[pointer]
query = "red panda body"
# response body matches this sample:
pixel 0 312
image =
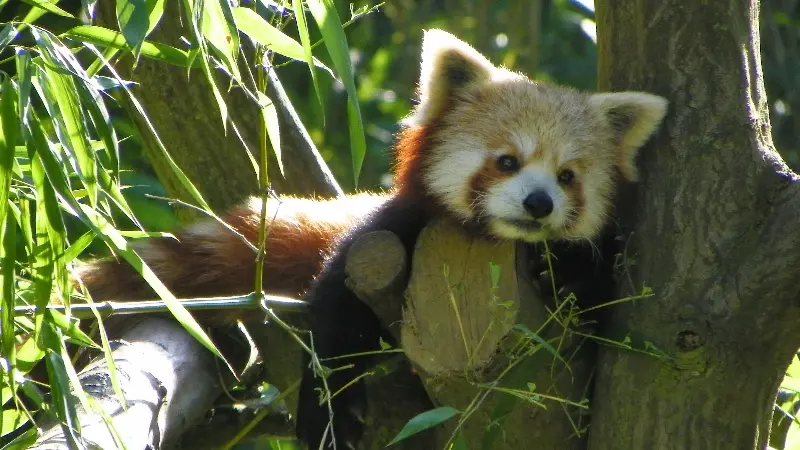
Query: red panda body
pixel 501 155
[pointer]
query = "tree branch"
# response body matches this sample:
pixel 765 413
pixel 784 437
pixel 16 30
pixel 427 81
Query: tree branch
pixel 168 380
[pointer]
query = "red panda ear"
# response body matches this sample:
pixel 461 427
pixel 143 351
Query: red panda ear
pixel 449 67
pixel 633 117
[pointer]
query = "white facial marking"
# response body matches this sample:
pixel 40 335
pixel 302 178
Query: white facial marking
pixel 525 143
pixel 451 170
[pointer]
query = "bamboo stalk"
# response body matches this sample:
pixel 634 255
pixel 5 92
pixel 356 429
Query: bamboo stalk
pixel 109 308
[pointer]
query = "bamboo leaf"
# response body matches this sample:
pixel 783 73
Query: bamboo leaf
pixel 219 29
pixel 62 398
pixel 324 12
pixel 8 234
pixel 269 114
pixel 261 31
pixel 11 419
pixel 114 39
pixel 7 35
pixel 44 163
pixel 424 421
pixel 23 60
pixel 23 441
pixel 136 19
pixel 59 93
pixel 540 340
pixel 44 260
pixel 196 17
pixel 305 39
pixel 49 7
pixel 9 127
pixel 28 354
pixel 101 120
pixel 70 327
pixel 107 84
pixel 77 247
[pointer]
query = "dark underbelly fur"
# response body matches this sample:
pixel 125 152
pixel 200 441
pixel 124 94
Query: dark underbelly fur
pixel 342 324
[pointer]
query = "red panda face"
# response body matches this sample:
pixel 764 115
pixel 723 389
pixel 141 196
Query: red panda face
pixel 525 160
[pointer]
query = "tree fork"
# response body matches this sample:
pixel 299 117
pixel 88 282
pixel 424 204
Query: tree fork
pixel 713 235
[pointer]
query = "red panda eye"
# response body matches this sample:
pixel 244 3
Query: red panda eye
pixel 566 176
pixel 507 163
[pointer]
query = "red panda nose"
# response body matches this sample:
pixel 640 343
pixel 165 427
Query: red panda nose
pixel 538 204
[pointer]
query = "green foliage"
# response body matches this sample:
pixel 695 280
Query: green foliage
pixel 425 420
pixel 61 183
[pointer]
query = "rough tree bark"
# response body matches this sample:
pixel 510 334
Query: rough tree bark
pixel 714 235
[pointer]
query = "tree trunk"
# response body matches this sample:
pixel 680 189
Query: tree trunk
pixel 188 121
pixel 712 233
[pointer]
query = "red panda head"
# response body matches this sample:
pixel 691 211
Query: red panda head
pixel 523 159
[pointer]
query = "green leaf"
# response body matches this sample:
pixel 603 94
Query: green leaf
pixel 9 127
pixel 23 59
pixel 11 419
pixel 59 93
pixel 791 384
pixel 219 29
pixel 28 354
pixel 22 213
pixel 7 35
pixel 31 17
pixel 106 84
pixel 101 119
pixel 24 441
pixel 8 233
pixel 305 39
pixel 424 421
pixel 261 31
pixel 794 367
pixel 49 7
pixel 494 274
pixel 44 261
pixel 324 12
pixel 526 331
pixel 114 39
pixel 77 247
pixel 71 328
pixel 136 19
pixel 270 117
pixel 92 100
pixel 62 398
pixel 201 51
pixel 49 179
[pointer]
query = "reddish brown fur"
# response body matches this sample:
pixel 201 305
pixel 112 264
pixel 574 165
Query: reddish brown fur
pixel 208 260
pixel 408 154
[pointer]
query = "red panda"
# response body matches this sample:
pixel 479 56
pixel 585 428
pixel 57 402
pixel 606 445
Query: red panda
pixel 502 155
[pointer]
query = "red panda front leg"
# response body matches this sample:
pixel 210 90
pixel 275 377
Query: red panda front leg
pixel 341 324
